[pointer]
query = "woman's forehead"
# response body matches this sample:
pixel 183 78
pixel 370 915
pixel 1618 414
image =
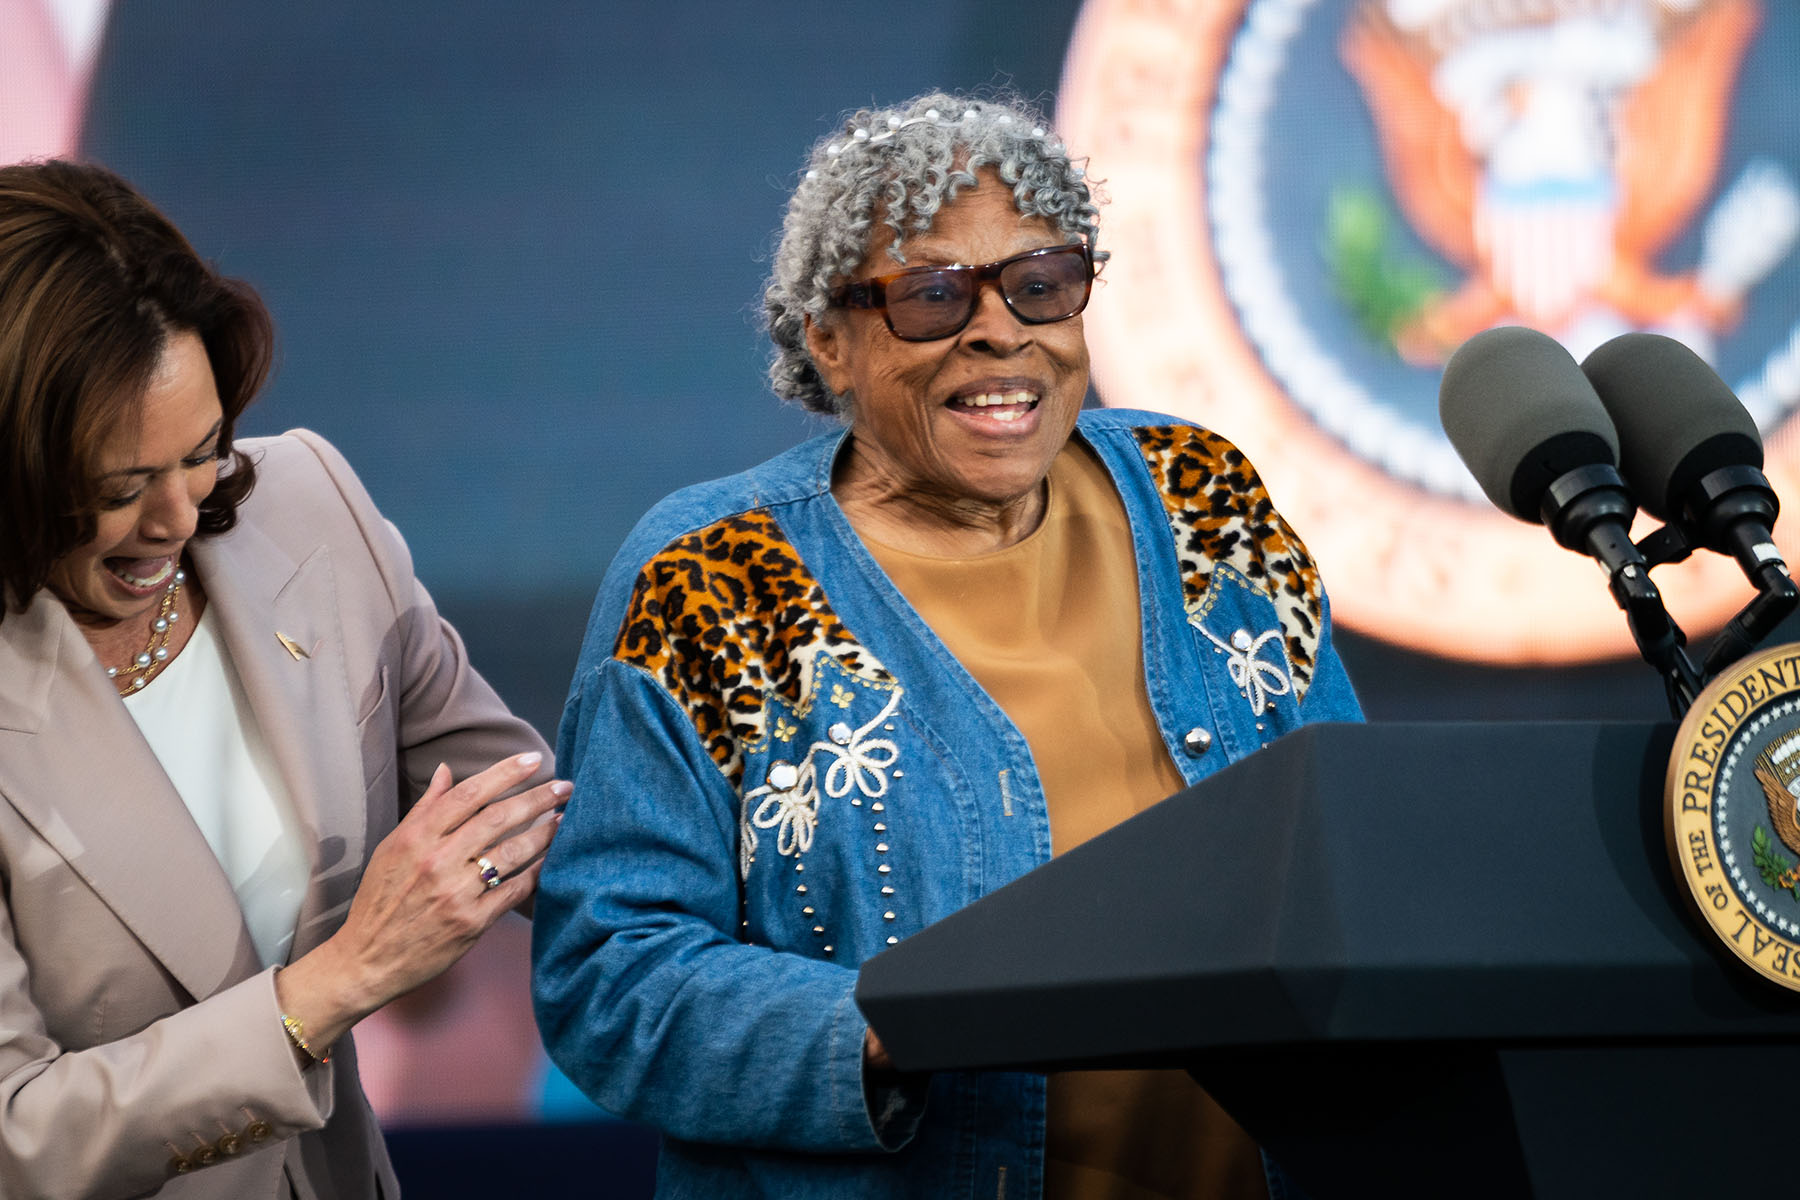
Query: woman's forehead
pixel 984 220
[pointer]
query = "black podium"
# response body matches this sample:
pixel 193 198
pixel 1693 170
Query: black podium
pixel 1413 960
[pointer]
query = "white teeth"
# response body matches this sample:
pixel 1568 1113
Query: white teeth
pixel 993 399
pixel 161 576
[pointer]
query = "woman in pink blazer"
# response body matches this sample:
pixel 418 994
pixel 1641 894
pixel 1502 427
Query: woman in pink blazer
pixel 250 788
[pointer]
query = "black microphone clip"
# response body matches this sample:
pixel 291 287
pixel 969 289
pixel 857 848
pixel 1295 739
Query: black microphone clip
pixel 1589 510
pixel 1731 510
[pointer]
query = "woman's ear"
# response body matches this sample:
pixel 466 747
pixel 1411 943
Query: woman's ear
pixel 825 342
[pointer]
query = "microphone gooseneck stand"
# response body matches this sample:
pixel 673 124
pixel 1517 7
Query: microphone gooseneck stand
pixel 1589 511
pixel 1732 512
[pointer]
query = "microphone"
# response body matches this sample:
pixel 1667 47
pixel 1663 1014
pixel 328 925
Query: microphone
pixel 1536 437
pixel 1694 457
pixel 1688 447
pixel 1534 433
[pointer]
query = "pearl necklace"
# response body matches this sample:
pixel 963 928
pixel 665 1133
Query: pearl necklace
pixel 142 669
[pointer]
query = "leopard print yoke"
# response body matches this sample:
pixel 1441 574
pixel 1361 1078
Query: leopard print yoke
pixel 1228 536
pixel 732 624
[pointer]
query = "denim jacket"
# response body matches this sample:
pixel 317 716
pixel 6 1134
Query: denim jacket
pixel 780 771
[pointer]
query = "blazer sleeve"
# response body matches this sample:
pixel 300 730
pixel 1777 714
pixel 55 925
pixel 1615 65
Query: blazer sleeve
pixel 445 711
pixel 211 1082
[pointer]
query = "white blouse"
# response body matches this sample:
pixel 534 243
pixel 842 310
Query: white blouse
pixel 198 721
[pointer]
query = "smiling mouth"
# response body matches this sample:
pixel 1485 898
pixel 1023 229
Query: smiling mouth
pixel 997 406
pixel 142 574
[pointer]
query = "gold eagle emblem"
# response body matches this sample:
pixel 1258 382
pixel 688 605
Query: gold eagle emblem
pixel 1550 150
pixel 1778 770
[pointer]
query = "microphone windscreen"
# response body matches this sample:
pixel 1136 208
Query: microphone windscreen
pixel 1521 414
pixel 1677 420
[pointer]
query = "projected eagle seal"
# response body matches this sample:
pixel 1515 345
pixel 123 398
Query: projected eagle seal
pixel 1732 810
pixel 1314 202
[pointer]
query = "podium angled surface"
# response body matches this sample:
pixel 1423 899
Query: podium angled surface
pixel 1401 955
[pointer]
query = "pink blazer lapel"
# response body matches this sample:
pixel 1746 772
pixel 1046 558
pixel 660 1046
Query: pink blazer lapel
pixel 74 765
pixel 279 622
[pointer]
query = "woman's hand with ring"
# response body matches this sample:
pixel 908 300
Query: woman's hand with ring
pixel 458 860
pixel 488 873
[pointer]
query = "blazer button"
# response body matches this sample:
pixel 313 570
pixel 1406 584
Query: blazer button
pixel 1197 742
pixel 259 1131
pixel 179 1165
pixel 204 1156
pixel 228 1145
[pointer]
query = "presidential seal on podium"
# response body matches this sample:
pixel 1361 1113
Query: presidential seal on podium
pixel 1732 810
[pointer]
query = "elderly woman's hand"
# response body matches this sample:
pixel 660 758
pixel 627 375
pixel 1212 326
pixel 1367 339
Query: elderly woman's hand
pixel 425 896
pixel 875 1055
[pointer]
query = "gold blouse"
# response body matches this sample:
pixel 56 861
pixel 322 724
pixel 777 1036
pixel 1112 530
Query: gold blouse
pixel 1050 628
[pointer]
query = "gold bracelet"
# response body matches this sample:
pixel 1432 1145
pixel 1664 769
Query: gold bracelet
pixel 297 1034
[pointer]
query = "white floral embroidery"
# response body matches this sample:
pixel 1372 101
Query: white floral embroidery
pixel 1258 680
pixel 859 763
pixel 746 843
pixel 793 814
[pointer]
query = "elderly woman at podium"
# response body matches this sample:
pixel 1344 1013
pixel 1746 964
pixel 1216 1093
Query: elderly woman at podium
pixel 830 700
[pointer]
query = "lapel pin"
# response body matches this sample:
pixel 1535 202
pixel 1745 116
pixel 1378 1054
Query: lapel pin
pixel 291 646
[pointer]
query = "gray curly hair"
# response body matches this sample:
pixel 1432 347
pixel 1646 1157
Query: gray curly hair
pixel 901 165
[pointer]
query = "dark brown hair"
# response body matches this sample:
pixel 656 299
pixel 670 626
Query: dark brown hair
pixel 93 282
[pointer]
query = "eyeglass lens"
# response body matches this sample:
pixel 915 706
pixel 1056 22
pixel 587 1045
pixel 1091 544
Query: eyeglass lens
pixel 1038 287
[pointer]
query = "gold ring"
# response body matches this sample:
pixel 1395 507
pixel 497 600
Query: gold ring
pixel 490 874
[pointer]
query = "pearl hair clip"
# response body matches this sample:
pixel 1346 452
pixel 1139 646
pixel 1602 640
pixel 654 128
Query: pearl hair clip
pixel 872 136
